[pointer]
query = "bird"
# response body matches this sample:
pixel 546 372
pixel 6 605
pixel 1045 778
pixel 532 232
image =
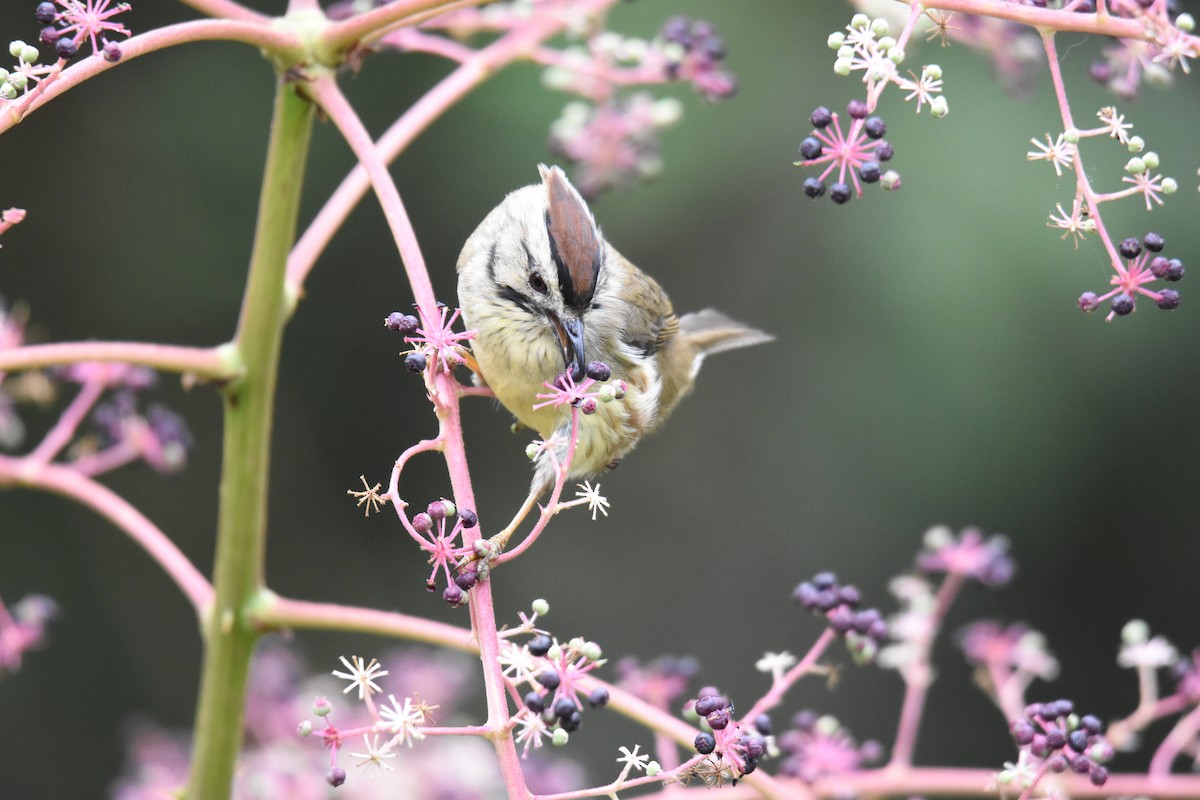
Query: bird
pixel 546 294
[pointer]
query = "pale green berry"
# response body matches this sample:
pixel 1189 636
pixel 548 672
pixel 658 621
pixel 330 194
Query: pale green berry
pixel 887 43
pixel 1185 22
pixel 1169 186
pixel 305 728
pixel 896 55
pixel 880 27
pixel 1136 144
pixel 3 74
pixel 15 47
pixel 938 107
pixel 890 180
pixel 845 52
pixel 843 67
pixel 554 653
pixel 836 40
pixel 592 651
pixel 1135 166
pixel 1136 631
pixel 1150 159
pixel 531 450
pixel 653 768
pixel 19 81
pixel 29 54
pixel 1071 136
pixel 541 607
pixel 860 21
pixel 560 737
pixel 8 91
pixel 932 72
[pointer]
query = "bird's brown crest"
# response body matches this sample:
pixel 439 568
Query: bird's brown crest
pixel 574 241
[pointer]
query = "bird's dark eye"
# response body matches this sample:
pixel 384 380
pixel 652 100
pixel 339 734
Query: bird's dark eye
pixel 538 283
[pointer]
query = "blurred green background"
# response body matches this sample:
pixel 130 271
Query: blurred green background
pixel 930 367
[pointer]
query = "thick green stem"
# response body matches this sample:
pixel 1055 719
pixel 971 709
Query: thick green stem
pixel 249 404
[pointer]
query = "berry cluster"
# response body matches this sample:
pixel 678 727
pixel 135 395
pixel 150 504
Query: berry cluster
pixel 69 26
pixel 969 554
pixel 434 341
pixel 864 630
pixel 1144 263
pixel 438 533
pixel 555 693
pixel 1053 733
pixel 724 736
pixel 573 387
pixel 695 53
pixel 856 154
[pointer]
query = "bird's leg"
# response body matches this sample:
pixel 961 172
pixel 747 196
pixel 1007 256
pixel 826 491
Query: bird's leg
pixel 500 540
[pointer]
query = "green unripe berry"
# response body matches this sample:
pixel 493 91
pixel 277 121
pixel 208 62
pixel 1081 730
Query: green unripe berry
pixel 8 91
pixel 1136 144
pixel 15 47
pixel 938 107
pixel 541 607
pixel 1150 159
pixel 836 40
pixel 932 72
pixel 896 55
pixel 1135 166
pixel 1185 22
pixel 843 67
pixel 1169 186
pixel 560 737
pixel 880 27
pixel 860 22
pixel 1071 136
pixel 29 54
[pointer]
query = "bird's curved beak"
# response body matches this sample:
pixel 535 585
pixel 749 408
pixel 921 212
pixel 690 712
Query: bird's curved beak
pixel 570 338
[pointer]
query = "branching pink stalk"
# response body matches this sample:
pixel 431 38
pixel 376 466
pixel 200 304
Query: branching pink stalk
pixel 70 483
pixel 68 423
pixel 200 363
pixel 377 21
pixel 1180 737
pixel 781 685
pixel 259 34
pixel 226 9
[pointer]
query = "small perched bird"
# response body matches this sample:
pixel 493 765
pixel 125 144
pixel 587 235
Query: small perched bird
pixel 546 292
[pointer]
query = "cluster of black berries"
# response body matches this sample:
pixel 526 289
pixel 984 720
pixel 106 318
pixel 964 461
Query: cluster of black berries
pixel 437 515
pixel 817 747
pixel 558 711
pixel 1143 257
pixel 1064 740
pixel 742 750
pixel 67 47
pixel 862 150
pixel 702 57
pixel 406 325
pixel 863 629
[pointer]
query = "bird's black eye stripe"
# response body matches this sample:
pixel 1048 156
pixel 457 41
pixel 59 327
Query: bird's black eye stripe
pixel 538 283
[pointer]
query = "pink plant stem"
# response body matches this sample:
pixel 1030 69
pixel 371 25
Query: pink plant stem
pixel 483 622
pixel 225 9
pixel 204 363
pixel 260 34
pixel 918 676
pixel 552 507
pixel 71 484
pixel 944 781
pixel 1180 737
pixel 1045 18
pixel 779 688
pixel 106 460
pixel 68 422
pixel 412 123
pixel 348 32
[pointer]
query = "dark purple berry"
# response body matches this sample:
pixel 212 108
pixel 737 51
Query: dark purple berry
pixel 705 743
pixel 564 707
pixel 866 620
pixel 850 596
pixel 1159 266
pixel 1168 299
pixel 839 193
pixel 1062 708
pixel 469 518
pixel 706 704
pixel 1088 301
pixel 1091 724
pixel 1057 763
pixel 535 702
pixel 422 522
pixel 874 127
pixel 466 578
pixel 1122 304
pixel 1153 242
pixel 1174 270
pixel 406 324
pixel 719 719
pixel 841 619
pixel 48 35
pixel 572 721
pixel 884 150
pixel 548 679
pixel 825 580
pixel 336 776
pixel 66 48
pixel 1039 747
pixel 754 747
pixel 453 595
pixel 1055 739
pixel 1130 248
pixel 678 30
pixel 1078 739
pixel 598 697
pixel 805 595
pixel 810 148
pixel 45 13
pixel 713 48
pixel 1099 775
pixel 869 171
pixel 540 645
pixel 749 765
pixel 1022 731
pixel 598 371
pixel 112 51
pixel 414 362
pixel 814 187
pixel 762 724
pixel 1100 71
pixel 1081 764
pixel 436 510
pixel 820 117
pixel 857 109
